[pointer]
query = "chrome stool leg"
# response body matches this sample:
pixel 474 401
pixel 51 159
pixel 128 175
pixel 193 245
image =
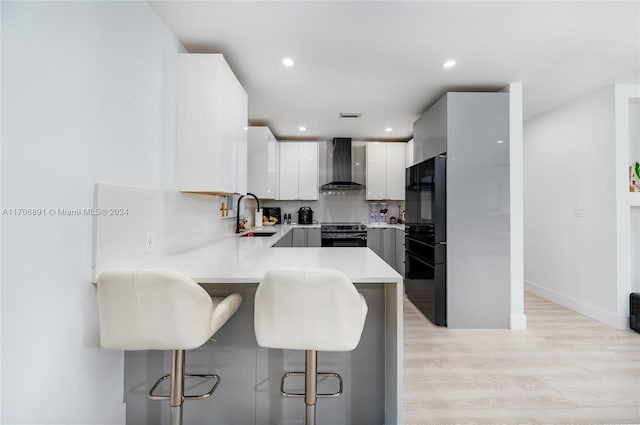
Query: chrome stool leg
pixel 177 395
pixel 310 385
pixel 176 415
pixel 310 418
pixel 310 393
pixel 177 386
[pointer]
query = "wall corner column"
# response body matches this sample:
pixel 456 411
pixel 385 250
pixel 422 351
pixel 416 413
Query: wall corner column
pixel 517 319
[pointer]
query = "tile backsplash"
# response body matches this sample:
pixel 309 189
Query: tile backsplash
pixel 336 206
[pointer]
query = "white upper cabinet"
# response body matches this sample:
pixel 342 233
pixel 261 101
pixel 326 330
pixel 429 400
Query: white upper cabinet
pixel 298 171
pixel 308 172
pixel 376 170
pixel 288 171
pixel 395 170
pixel 385 171
pixel 262 163
pixel 212 108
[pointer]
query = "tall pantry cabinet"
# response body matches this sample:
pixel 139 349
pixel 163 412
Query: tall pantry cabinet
pixel 473 130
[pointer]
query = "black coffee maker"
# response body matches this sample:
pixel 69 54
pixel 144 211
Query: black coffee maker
pixel 305 215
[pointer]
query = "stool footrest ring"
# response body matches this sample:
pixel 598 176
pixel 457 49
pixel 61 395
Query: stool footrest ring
pixel 322 374
pixel 153 396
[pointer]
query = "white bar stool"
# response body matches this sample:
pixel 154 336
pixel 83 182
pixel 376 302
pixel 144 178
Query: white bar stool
pixel 161 310
pixel 311 310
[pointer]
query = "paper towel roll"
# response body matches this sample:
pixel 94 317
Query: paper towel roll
pixel 258 223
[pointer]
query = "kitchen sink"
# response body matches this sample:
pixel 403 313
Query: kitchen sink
pixel 258 234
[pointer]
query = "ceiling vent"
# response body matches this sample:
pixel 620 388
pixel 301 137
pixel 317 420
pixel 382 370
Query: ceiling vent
pixel 350 114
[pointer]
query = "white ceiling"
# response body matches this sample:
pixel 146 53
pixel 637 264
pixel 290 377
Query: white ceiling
pixel 384 58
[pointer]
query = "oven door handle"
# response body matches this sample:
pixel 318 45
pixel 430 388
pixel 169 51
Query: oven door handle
pixel 343 236
pixel 410 239
pixel 420 260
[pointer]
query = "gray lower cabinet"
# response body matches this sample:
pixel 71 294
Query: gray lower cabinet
pixel 299 237
pixel 306 237
pixel 400 251
pixel 286 241
pixel 314 238
pixel 382 241
pixel 388 244
pixel 374 241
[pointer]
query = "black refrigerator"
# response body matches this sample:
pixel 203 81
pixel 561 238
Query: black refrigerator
pixel 426 237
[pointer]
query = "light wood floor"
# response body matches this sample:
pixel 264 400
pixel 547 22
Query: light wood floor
pixel 564 369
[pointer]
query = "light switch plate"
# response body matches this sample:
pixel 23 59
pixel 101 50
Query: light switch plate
pixel 578 212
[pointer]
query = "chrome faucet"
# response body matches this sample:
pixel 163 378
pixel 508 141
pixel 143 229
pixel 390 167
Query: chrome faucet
pixel 238 210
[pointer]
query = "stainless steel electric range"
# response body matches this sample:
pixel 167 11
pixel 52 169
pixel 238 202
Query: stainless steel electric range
pixel 343 234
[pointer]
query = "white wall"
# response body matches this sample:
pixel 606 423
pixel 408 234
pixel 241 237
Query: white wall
pixel 569 161
pixel 634 131
pixel 634 155
pixel 635 248
pixel 87 95
pixel 627 204
pixel 1 206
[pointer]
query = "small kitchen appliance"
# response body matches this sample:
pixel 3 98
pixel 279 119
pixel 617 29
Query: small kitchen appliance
pixel 305 215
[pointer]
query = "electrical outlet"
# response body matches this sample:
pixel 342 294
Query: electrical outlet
pixel 148 245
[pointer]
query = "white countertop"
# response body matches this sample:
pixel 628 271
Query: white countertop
pixel 236 259
pixel 318 225
pixel 292 225
pixel 385 226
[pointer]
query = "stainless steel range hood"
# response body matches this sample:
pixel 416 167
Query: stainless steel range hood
pixel 342 178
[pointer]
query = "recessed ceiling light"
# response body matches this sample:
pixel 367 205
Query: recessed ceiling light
pixel 302 128
pixel 388 129
pixel 287 62
pixel 500 142
pixel 450 63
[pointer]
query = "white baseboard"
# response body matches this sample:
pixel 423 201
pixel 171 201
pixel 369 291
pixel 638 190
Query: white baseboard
pixel 518 322
pixel 596 313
